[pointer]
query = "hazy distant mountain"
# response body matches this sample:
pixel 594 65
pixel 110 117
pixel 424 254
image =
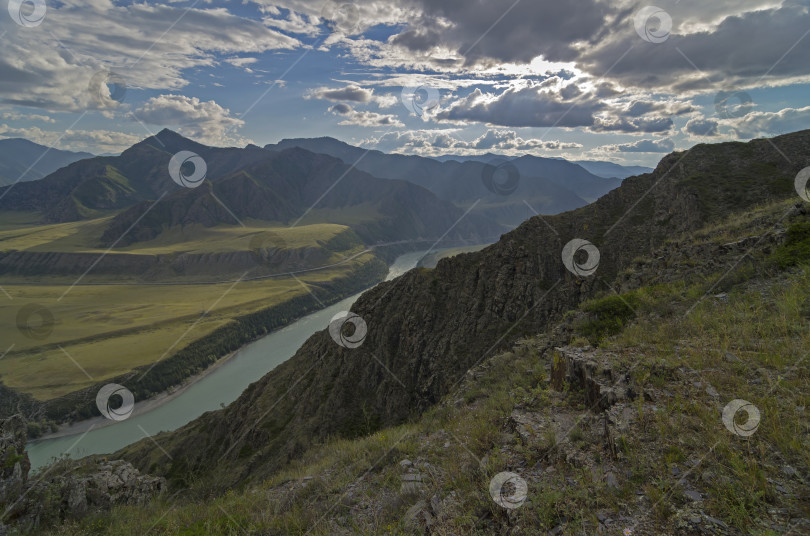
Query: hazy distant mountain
pixel 547 185
pixel 609 169
pixel 251 182
pixel 597 167
pixel 23 160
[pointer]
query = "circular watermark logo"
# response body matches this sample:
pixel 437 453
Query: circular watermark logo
pixel 348 329
pixel 35 321
pixel 420 100
pixel 749 427
pixel 266 246
pixel 653 24
pixel 500 176
pixel 188 169
pixel 801 184
pixel 578 266
pixel 108 89
pixel 733 104
pixel 508 490
pixel 342 17
pixel 27 13
pixel 115 412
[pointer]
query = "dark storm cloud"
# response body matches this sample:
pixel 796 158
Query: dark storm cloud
pixel 739 51
pixel 523 108
pixel 524 29
pixel 531 107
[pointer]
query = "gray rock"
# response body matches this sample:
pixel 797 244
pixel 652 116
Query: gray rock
pixel 693 495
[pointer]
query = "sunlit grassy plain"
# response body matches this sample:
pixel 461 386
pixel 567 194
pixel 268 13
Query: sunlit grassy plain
pixel 101 331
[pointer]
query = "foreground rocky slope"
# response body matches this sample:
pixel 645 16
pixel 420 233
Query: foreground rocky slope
pixel 427 328
pixel 66 490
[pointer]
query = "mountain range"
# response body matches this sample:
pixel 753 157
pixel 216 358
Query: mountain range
pixel 503 189
pixel 290 187
pixel 23 160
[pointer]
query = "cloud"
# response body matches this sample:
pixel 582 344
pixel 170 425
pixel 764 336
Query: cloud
pixel 352 93
pixel 364 119
pixel 242 63
pixel 771 123
pixel 14 116
pixel 295 23
pixel 744 49
pixel 150 46
pixel 526 107
pixel 665 145
pixel 439 142
pixel 349 93
pixel 701 127
pixel 564 107
pixel 206 122
pixel 94 141
pixel 508 140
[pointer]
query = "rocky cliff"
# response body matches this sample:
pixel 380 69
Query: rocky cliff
pixel 67 489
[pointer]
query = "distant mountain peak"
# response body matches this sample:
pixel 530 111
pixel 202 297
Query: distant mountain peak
pixel 169 141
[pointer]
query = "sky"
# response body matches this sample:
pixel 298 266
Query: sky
pixel 617 80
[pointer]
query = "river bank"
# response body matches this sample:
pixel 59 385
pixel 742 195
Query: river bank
pixel 220 385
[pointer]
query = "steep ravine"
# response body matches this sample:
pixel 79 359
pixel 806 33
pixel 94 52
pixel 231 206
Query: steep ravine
pixel 428 327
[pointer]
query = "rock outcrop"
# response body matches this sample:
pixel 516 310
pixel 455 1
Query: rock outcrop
pixel 68 489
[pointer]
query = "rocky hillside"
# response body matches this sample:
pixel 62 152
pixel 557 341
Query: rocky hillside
pixel 428 327
pixel 622 417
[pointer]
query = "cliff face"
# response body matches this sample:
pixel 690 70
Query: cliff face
pixel 428 327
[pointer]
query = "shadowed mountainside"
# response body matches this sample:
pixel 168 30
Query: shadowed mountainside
pixel 23 160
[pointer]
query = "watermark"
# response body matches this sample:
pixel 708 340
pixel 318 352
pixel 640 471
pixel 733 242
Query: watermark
pixel 120 412
pixel 348 329
pixel 420 100
pixel 265 247
pixel 733 104
pixel 579 267
pixel 35 321
pixel 108 89
pixel 27 13
pixel 508 490
pixel 653 24
pixel 749 427
pixel 188 169
pixel 500 176
pixel 342 17
pixel 801 184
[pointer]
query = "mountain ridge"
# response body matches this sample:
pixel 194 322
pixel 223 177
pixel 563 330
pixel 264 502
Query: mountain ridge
pixel 23 160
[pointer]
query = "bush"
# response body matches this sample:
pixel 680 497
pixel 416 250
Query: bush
pixel 607 316
pixel 796 249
